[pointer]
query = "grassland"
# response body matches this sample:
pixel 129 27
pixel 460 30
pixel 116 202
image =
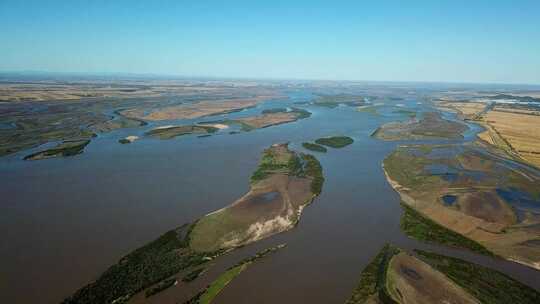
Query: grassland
pixel 64 149
pixel 335 141
pixel 30 126
pixel 419 227
pixel 314 147
pixel 430 126
pixel 482 218
pixel 117 123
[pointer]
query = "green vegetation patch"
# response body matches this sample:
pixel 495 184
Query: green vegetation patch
pixel 373 278
pixel 160 287
pixel 220 283
pixel 421 228
pixel 288 162
pixel 212 229
pixel 275 160
pixel 142 268
pixel 28 125
pixel 312 168
pixel 431 126
pixel 368 109
pixel 314 147
pixel 67 148
pixel 191 276
pixel 486 285
pixel 172 132
pixel 208 294
pixel 301 113
pixel 118 123
pixel 274 110
pixel 335 141
pixel 408 169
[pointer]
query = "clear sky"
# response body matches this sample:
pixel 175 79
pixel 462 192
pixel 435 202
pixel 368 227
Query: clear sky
pixel 457 41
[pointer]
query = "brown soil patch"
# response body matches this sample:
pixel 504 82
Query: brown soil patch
pixel 413 281
pixel 487 206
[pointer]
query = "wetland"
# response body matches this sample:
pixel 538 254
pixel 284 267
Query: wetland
pixel 179 220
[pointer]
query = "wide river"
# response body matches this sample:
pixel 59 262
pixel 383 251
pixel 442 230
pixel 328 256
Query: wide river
pixel 64 221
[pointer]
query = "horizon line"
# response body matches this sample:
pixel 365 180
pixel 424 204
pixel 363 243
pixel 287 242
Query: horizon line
pixel 254 78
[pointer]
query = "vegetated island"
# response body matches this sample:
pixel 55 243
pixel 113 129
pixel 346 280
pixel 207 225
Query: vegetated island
pixel 336 142
pixel 465 196
pixel 64 149
pixel 371 109
pixel 128 139
pixel 29 128
pixel 76 146
pixel 333 101
pixel 396 276
pixel 169 132
pixel 36 113
pixel 208 294
pixel 283 184
pixel 431 126
pixel 314 147
pixel 285 181
pixel 268 118
pixel 194 109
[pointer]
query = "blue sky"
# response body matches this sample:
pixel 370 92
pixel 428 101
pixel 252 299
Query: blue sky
pixel 456 41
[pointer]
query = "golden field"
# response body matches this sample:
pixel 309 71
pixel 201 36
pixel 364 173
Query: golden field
pixel 521 132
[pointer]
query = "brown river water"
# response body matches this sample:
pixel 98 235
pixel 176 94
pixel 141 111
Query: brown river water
pixel 64 221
